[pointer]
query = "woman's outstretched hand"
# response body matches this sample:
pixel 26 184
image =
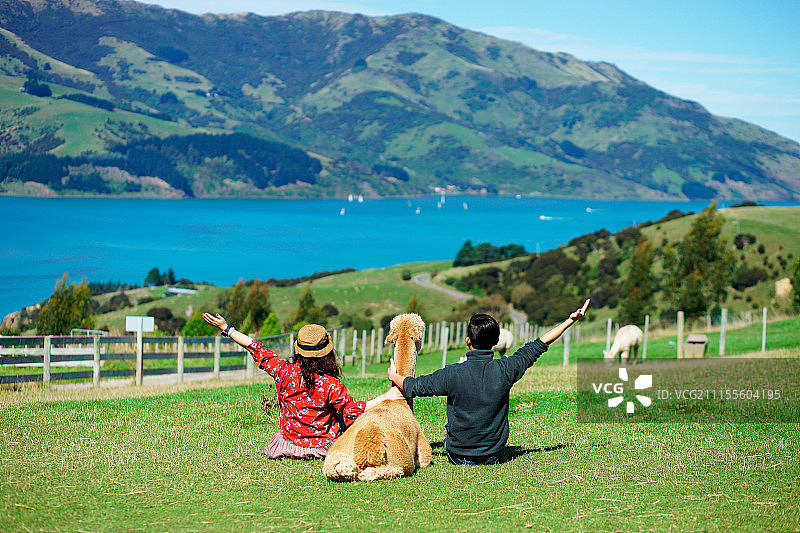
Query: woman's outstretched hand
pixel 215 320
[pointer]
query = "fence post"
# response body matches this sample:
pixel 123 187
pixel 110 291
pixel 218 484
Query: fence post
pixel 364 344
pixel 181 349
pixel 680 334
pixel 380 345
pixel 290 351
pixel 139 354
pixel 646 327
pixel 342 346
pixel 217 346
pixel 444 348
pixel 96 362
pixel 764 331
pixel 567 335
pixel 46 360
pixel 355 345
pixel 430 334
pixel 723 326
pixel 608 335
pixel 372 346
pixel 363 353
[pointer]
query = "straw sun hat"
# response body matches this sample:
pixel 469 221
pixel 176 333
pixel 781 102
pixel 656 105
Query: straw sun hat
pixel 313 341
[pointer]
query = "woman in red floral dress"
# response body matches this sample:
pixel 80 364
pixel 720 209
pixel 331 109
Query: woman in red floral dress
pixel 314 404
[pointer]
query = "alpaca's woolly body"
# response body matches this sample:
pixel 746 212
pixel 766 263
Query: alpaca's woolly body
pixel 386 441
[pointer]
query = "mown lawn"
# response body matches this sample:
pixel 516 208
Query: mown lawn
pixel 189 460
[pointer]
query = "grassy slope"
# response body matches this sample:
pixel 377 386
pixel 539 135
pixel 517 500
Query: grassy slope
pixel 83 127
pixel 381 291
pixel 189 460
pixel 777 228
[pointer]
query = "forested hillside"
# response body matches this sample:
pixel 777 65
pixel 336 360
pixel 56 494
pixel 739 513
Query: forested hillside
pixel 741 258
pixel 374 105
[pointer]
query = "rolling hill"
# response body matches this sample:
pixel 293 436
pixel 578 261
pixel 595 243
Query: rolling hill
pixel 351 104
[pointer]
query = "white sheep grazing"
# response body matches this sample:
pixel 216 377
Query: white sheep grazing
pixel 505 342
pixel 627 340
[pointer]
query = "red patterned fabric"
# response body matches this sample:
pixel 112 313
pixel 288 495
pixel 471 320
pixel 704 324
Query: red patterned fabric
pixel 307 420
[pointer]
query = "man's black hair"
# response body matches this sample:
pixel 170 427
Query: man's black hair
pixel 483 331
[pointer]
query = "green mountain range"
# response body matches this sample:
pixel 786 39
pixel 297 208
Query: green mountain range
pixel 124 98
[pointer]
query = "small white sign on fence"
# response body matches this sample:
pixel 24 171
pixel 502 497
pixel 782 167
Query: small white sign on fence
pixel 148 323
pixel 139 324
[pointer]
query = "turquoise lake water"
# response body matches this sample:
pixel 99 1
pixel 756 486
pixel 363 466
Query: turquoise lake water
pixel 221 241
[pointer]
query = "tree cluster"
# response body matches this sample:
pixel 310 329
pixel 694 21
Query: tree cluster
pixel 246 305
pixel 36 88
pixel 90 100
pixel 68 307
pixel 486 253
pixel 698 271
pixel 155 277
pixel 307 311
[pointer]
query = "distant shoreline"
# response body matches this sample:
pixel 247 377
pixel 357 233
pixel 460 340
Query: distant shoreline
pixel 392 197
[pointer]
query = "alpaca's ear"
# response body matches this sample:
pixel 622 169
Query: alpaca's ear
pixel 392 337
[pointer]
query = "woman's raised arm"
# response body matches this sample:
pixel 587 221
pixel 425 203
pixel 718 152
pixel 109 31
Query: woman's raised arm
pixel 219 322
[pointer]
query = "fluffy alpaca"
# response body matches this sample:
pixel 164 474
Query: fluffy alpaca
pixel 504 343
pixel 626 345
pixel 386 441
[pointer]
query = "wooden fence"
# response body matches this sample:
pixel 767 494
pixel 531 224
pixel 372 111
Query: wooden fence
pixel 55 355
pixel 185 355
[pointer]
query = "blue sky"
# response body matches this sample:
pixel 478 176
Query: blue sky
pixel 738 58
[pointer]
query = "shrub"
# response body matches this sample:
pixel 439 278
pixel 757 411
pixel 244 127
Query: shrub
pixel 271 326
pixel 743 239
pixel 628 237
pixel 197 327
pixel 171 54
pixel 68 307
pixel 118 301
pixel 166 321
pixel 747 277
pixel 356 322
pixel 35 88
pixel 405 274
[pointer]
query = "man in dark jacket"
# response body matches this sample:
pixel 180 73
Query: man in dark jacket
pixel 477 390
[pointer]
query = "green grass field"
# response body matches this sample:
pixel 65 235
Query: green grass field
pixel 187 458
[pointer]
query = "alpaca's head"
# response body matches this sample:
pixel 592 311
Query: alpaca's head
pixel 406 332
